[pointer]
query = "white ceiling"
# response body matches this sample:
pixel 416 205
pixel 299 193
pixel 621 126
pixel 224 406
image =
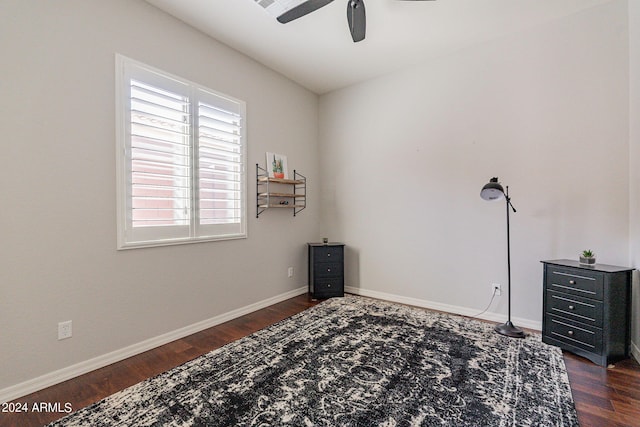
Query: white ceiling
pixel 317 51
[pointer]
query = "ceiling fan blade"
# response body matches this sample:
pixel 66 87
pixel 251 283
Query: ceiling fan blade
pixel 301 10
pixel 357 19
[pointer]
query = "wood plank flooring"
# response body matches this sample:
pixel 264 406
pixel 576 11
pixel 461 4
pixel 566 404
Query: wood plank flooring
pixel 603 397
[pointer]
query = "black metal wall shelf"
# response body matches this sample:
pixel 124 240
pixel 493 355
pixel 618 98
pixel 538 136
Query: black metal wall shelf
pixel 279 192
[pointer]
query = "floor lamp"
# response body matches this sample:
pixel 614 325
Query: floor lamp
pixel 493 191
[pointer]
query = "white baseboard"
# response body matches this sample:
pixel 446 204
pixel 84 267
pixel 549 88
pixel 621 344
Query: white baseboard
pixel 64 374
pixel 465 311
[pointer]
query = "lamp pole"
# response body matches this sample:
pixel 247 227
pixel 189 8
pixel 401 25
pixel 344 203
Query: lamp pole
pixel 493 191
pixel 508 328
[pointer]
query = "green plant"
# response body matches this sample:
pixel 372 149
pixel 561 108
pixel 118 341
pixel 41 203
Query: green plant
pixel 276 165
pixel 588 253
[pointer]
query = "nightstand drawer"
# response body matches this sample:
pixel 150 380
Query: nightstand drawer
pixel 327 254
pixel 327 288
pixel 582 283
pixel 328 269
pixel 575 334
pixel 583 310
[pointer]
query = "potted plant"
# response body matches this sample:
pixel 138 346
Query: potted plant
pixel 276 166
pixel 587 257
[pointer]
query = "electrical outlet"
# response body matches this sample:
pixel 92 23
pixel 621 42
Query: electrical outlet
pixel 64 330
pixel 290 272
pixel 496 289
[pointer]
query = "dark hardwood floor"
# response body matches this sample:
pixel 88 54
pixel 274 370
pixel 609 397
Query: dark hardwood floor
pixel 603 397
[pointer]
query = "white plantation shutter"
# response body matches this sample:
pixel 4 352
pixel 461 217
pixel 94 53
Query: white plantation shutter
pixel 160 176
pixel 181 160
pixel 220 163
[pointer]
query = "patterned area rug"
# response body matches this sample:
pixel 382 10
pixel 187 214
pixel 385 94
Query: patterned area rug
pixel 355 361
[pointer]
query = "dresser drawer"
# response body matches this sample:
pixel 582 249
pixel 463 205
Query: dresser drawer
pixel 574 334
pixel 328 269
pixel 573 307
pixel 582 283
pixel 327 254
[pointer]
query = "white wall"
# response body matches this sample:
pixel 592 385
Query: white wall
pixel 58 258
pixel 634 166
pixel 404 158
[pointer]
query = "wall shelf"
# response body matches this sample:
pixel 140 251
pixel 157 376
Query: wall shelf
pixel 279 192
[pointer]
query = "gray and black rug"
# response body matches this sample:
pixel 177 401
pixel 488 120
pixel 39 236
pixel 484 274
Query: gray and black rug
pixel 355 361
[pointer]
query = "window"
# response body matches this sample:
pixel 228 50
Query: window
pixel 181 160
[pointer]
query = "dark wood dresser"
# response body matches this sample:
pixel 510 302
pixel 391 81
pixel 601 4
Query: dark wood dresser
pixel 587 309
pixel 326 270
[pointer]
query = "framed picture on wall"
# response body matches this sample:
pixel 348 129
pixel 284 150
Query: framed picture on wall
pixel 277 166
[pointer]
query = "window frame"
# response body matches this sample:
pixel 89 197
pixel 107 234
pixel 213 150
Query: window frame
pixel 130 237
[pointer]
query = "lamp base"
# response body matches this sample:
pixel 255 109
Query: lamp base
pixel 509 330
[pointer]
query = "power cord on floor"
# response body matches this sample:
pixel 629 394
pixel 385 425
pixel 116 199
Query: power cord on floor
pixel 489 305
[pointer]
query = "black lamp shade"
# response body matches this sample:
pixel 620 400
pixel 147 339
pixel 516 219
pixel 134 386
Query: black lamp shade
pixel 492 190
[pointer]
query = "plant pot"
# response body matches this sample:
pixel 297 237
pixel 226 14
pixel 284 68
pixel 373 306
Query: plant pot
pixel 587 261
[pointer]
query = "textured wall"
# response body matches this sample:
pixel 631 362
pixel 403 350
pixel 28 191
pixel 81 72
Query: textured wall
pixel 58 255
pixel 404 158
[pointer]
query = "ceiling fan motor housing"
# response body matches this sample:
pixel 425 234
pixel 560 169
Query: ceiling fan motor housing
pixel 356 16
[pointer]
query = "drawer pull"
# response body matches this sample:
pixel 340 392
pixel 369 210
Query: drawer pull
pixel 328 270
pixel 328 254
pixel 572 282
pixel 571 307
pixel 570 332
pixel 329 285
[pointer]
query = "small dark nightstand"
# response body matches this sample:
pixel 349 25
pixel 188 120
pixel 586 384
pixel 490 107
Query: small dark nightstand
pixel 587 309
pixel 326 270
